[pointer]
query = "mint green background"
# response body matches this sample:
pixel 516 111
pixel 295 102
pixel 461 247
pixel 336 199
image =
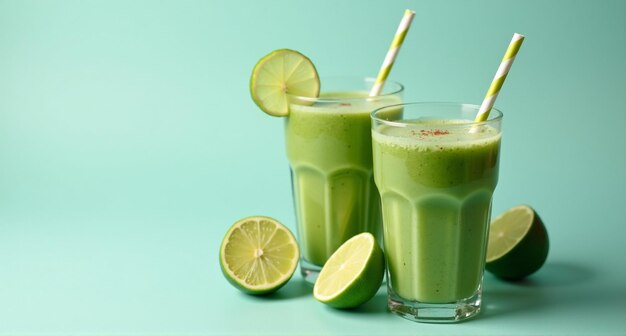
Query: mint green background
pixel 129 144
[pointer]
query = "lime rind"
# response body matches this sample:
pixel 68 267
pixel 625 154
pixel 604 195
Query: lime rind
pixel 279 74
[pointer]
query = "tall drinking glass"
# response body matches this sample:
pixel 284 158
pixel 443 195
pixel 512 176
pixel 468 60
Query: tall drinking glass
pixel 436 170
pixel 329 148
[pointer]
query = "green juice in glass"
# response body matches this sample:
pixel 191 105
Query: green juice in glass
pixel 436 178
pixel 329 149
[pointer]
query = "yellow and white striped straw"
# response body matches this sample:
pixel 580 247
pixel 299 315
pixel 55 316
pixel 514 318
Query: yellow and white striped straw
pixel 499 78
pixel 403 28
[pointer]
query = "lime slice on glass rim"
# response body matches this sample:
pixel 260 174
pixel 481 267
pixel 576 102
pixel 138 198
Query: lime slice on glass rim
pixel 258 255
pixel 281 73
pixel 518 244
pixel 353 273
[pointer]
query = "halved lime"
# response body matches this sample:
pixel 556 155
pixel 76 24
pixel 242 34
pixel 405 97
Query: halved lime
pixel 518 243
pixel 353 274
pixel 258 255
pixel 279 73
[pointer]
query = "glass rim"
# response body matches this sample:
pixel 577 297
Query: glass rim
pixel 398 89
pixel 495 114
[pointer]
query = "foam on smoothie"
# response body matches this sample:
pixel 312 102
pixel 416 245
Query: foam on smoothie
pixel 423 136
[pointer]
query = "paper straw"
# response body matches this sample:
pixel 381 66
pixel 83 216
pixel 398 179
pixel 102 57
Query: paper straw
pixel 499 78
pixel 403 28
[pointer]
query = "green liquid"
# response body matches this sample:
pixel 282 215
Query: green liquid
pixel 436 186
pixel 329 148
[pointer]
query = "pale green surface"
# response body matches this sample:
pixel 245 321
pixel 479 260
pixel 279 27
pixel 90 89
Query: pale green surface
pixel 129 144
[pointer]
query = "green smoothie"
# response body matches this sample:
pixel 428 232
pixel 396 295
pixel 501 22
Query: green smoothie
pixel 436 185
pixel 329 149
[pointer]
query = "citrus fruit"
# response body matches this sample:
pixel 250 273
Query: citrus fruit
pixel 258 255
pixel 278 74
pixel 518 243
pixel 352 274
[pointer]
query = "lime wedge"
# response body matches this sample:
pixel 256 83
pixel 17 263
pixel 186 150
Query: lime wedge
pixel 353 274
pixel 279 73
pixel 258 255
pixel 518 243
